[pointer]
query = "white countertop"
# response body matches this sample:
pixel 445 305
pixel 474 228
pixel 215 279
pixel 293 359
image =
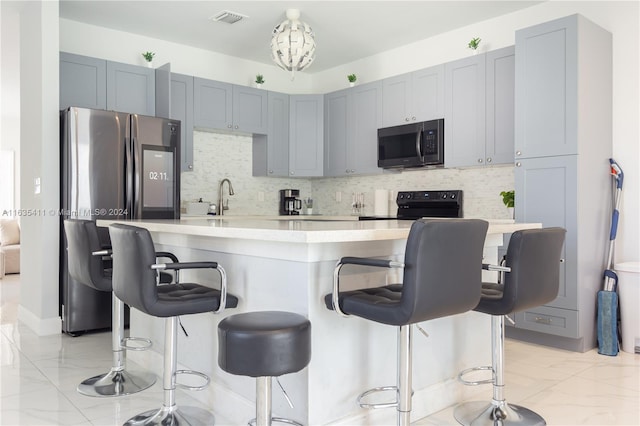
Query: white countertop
pixel 297 231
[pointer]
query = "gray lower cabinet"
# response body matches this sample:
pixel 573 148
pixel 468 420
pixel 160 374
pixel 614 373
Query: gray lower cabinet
pixel 560 179
pixel 83 81
pixel 225 106
pixel 416 96
pixel 131 88
pixel 352 118
pixel 182 109
pixel 306 131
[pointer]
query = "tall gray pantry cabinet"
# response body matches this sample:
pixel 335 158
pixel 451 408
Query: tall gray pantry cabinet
pixel 563 131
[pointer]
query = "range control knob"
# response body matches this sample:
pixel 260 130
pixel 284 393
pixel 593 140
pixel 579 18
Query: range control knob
pixel 444 195
pixel 452 196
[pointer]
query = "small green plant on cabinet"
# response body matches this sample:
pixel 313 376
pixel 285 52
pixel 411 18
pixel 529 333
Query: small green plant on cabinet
pixel 259 79
pixel 508 198
pixel 148 56
pixel 352 78
pixel 474 43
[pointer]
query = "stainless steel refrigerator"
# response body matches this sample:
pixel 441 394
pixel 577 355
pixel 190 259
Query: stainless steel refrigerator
pixel 113 166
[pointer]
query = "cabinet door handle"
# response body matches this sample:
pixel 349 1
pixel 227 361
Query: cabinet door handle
pixel 542 320
pixel 413 119
pixel 479 160
pixel 353 171
pixel 270 171
pixel 190 167
pixel 518 164
pixel 518 153
pixel 488 159
pixel 346 171
pixel 229 126
pixel 292 173
pixel 236 126
pixel 406 119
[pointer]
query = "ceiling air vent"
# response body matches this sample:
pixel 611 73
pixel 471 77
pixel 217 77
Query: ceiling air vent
pixel 228 17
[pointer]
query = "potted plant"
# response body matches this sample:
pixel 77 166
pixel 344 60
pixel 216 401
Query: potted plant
pixel 259 80
pixel 352 79
pixel 474 43
pixel 148 56
pixel 509 198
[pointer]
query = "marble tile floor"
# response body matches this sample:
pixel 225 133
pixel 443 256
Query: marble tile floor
pixel 38 377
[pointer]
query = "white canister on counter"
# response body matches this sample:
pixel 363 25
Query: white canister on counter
pixel 381 203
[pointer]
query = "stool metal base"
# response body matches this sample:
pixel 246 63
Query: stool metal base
pixel 479 413
pixel 172 416
pixel 252 422
pixel 116 383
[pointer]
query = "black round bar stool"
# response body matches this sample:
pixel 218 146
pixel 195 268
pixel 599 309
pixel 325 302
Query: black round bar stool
pixel 134 281
pixel 264 345
pixel 90 264
pixel 529 277
pixel 442 277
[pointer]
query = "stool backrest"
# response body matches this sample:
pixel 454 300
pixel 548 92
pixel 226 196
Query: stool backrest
pixel 443 268
pixel 83 238
pixel 534 258
pixel 134 282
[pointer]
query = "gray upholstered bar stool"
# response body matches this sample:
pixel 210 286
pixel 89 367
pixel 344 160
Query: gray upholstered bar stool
pixel 134 281
pixel 264 345
pixel 530 277
pixel 442 277
pixel 89 264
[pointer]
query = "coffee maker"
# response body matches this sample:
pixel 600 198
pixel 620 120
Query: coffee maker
pixel 290 205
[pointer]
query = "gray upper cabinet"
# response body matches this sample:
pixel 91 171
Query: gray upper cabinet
pixel 82 81
pixel 416 96
pixel 500 98
pixel 336 122
pixel 250 109
pixel 560 179
pixel 278 135
pixel 130 88
pixel 212 104
pixel 480 100
pixel 306 135
pixel 182 109
pixel 464 119
pixel 225 106
pixel 546 94
pixel 352 118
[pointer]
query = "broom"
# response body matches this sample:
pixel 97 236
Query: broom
pixel 607 297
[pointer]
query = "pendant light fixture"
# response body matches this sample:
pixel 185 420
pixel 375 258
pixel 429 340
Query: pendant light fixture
pixel 293 46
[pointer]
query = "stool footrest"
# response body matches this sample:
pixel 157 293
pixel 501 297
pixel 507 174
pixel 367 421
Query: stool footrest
pixel 252 422
pixel 124 343
pixel 379 405
pixel 476 382
pixel 193 373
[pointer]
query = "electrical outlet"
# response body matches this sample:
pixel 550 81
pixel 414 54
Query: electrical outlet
pixel 338 196
pixel 36 185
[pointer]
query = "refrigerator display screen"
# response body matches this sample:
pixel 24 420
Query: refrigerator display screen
pixel 157 180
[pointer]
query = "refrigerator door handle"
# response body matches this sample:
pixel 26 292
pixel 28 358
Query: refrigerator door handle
pixel 129 181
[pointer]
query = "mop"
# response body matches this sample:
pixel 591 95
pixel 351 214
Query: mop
pixel 607 297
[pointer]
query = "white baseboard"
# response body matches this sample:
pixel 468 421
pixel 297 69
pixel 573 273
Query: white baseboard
pixel 40 326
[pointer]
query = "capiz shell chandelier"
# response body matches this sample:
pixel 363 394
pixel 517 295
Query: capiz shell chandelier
pixel 293 46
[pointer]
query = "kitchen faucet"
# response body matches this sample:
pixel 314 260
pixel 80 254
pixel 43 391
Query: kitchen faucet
pixel 221 205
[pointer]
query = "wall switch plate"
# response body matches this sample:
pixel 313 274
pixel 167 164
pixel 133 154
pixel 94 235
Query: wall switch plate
pixel 36 185
pixel 338 196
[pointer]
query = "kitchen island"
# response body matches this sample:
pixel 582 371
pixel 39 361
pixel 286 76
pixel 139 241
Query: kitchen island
pixel 288 265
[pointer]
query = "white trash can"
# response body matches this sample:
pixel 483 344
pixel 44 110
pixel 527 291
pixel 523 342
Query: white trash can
pixel 629 292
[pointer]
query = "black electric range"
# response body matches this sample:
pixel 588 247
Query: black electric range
pixel 414 205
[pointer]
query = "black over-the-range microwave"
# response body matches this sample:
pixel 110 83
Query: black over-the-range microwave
pixel 412 145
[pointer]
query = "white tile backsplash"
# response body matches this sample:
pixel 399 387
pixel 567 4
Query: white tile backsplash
pixel 220 155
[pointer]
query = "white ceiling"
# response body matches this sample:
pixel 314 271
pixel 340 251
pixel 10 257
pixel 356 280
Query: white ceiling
pixel 345 30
